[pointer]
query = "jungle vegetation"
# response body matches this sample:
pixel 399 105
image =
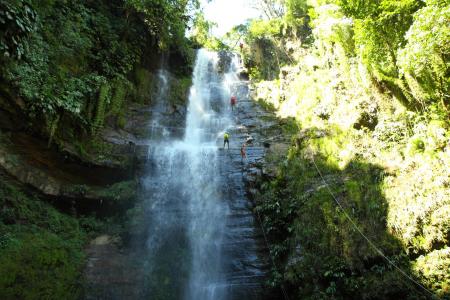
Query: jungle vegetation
pixel 367 85
pixel 362 85
pixel 73 61
pixel 67 68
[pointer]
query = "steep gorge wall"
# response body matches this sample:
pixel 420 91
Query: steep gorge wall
pixel 76 82
pixel 77 78
pixel 384 161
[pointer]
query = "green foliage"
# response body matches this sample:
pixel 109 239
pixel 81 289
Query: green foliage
pixel 120 93
pixel 296 20
pixel 117 105
pixel 201 34
pixel 416 145
pixel 266 105
pixel 289 126
pixel 332 27
pixel 41 249
pixel 179 90
pixel 103 100
pixel 386 161
pixel 53 77
pixel 265 55
pixel 40 265
pixel 434 269
pixel 424 59
pixel 402 44
pixel 76 48
pixel 17 21
pixel 167 19
pixel 144 80
pixel 122 192
pixel 437 135
pixel 296 11
pixel 379 33
pixel 395 39
pixel 323 253
pixel 265 29
pixel 46 92
pixel 268 38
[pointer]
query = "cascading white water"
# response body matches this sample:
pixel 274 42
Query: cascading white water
pixel 156 129
pixel 186 210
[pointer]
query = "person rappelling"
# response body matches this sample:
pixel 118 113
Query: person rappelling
pixel 233 101
pixel 243 152
pixel 226 140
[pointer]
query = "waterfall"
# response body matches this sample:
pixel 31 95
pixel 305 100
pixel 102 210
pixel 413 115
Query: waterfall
pixel 186 212
pixel 156 129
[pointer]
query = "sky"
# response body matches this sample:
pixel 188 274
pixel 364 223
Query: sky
pixel 228 13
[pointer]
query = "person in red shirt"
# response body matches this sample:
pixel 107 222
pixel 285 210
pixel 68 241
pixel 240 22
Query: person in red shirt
pixel 233 102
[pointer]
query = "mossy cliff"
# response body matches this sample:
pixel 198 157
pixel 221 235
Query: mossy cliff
pixel 76 81
pixel 373 138
pixel 71 69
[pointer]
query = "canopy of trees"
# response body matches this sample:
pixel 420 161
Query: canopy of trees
pixel 403 44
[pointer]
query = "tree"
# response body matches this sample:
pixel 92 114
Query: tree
pixel 271 8
pixel 425 58
pixel 201 29
pixel 166 19
pixel 380 28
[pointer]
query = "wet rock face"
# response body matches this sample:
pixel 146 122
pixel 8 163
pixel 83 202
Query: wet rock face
pixel 243 74
pixel 31 162
pixel 262 133
pixel 225 58
pixel 160 242
pixel 114 156
pixel 101 272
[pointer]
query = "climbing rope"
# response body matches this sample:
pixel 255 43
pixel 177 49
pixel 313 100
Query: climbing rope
pixel 271 257
pixel 372 244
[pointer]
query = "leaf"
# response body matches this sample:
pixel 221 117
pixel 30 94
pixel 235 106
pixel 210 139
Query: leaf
pixel 20 24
